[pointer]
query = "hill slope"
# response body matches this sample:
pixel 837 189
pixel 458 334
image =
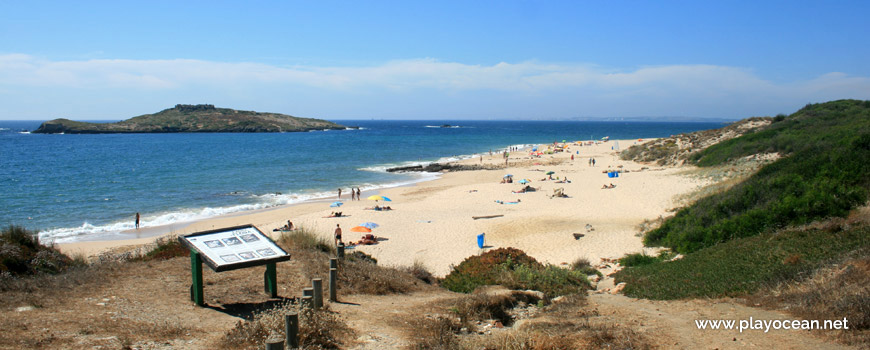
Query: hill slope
pixel 192 118
pixel 824 173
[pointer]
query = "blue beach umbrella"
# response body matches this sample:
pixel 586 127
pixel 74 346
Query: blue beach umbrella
pixel 524 181
pixel 508 175
pixel 336 204
pixel 369 225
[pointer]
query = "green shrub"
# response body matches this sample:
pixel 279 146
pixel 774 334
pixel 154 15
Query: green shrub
pixel 513 269
pixel 637 259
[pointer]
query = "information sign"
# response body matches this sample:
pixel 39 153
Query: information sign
pixel 235 248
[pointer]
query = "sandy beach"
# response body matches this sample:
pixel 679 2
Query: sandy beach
pixel 432 222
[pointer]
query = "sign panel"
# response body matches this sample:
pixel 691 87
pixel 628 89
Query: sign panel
pixel 234 248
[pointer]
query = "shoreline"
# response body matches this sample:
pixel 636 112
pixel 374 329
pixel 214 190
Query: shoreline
pixel 432 221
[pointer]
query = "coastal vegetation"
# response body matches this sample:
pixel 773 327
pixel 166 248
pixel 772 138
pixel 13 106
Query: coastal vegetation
pixel 21 254
pixel 514 269
pixel 823 173
pixel 790 234
pixel 192 118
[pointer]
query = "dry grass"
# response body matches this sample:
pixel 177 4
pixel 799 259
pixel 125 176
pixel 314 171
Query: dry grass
pixel 419 270
pixel 321 329
pixel 304 239
pixel 832 292
pixel 567 324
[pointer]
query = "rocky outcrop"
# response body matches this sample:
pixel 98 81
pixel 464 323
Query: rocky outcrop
pixel 437 167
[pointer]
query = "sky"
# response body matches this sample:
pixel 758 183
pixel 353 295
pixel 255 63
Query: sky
pixel 542 60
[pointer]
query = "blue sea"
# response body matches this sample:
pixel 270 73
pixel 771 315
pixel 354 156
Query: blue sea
pixel 84 187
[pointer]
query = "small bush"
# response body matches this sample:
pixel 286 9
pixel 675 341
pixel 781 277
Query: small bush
pixel 637 259
pixel 419 270
pixel 22 254
pixel 512 268
pixel 164 248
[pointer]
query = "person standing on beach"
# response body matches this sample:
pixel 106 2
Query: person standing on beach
pixel 352 194
pixel 358 194
pixel 337 235
pixel 339 193
pixel 137 221
pixel 593 161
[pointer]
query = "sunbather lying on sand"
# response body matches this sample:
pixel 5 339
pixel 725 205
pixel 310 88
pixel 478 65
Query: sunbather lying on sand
pixel 368 239
pixel 336 214
pixel 378 208
pixel 608 187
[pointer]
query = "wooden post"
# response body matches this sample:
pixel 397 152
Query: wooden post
pixel 317 285
pixel 308 297
pixel 270 280
pixel 333 286
pixel 291 330
pixel 333 263
pixel 196 273
pixel 340 251
pixel 274 344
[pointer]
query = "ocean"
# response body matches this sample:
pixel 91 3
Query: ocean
pixel 85 187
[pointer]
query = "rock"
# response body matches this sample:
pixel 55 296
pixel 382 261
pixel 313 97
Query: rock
pixel 618 289
pixel 538 295
pixel 594 278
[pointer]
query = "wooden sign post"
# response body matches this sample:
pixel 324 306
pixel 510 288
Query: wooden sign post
pixel 229 249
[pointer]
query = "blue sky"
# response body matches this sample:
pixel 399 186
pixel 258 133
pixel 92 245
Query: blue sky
pixel 431 60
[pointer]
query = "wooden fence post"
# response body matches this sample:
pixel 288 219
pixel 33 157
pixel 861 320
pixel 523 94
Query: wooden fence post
pixel 308 297
pixel 274 344
pixel 291 330
pixel 317 285
pixel 333 286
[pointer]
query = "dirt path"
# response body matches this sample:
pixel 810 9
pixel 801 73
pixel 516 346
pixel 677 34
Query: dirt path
pixel 380 321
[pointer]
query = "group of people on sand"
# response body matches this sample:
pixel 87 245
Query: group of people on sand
pixel 607 187
pixel 288 227
pixel 365 240
pixel 355 194
pixel 335 214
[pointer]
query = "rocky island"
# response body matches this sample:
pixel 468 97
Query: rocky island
pixel 192 118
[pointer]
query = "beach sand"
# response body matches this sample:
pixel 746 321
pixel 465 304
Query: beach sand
pixel 431 222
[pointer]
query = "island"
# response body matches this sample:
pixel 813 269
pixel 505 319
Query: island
pixel 192 118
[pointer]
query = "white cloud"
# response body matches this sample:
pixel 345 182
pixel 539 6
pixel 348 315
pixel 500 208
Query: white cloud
pixel 578 88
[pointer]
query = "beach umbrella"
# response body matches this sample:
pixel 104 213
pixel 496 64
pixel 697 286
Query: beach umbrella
pixel 508 175
pixel 550 172
pixel 336 204
pixel 361 229
pixel 369 225
pixel 379 198
pixel 524 181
